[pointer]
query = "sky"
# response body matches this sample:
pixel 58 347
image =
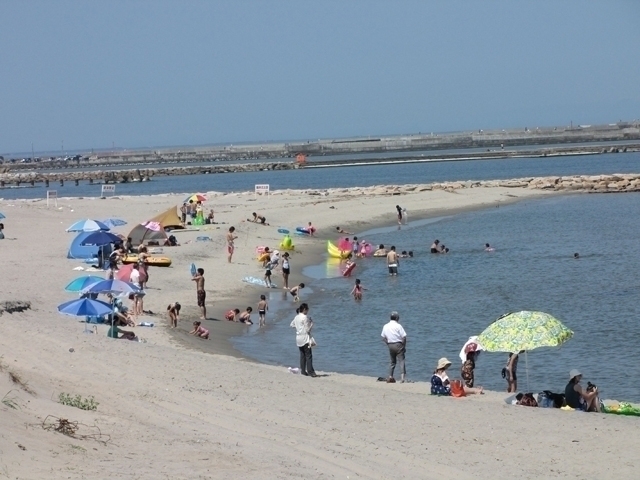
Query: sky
pixel 82 75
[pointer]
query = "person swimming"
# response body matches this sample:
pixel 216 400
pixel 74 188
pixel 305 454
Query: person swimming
pixel 380 252
pixel 435 246
pixel 576 255
pixel 488 248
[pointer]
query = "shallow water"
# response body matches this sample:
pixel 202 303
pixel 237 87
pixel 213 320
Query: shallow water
pixel 443 299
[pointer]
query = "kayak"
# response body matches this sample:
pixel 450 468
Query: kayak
pixel 335 252
pixel 151 261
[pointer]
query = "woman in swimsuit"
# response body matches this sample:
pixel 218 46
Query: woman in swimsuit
pixel 399 214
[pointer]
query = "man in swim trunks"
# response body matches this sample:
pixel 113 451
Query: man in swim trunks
pixel 230 246
pixel 200 292
pixel 392 261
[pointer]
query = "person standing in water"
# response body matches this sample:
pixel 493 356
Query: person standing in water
pixel 230 245
pixel 286 269
pixel 399 209
pixel 263 306
pixel 357 290
pixel 392 261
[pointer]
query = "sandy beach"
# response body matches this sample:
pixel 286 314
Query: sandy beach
pixel 180 407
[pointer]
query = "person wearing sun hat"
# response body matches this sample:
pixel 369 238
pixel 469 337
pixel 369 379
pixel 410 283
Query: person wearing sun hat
pixel 579 398
pixel 440 384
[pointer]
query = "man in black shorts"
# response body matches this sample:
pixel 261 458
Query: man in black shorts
pixel 200 292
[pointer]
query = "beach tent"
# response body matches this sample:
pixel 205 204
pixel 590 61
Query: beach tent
pixel 77 250
pixel 141 234
pixel 168 219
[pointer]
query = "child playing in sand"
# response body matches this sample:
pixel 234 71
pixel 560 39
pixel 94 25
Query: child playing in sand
pixel 174 314
pixel 245 317
pixel 357 290
pixel 199 331
pixel 295 292
pixel 311 229
pixel 232 315
pixel 263 306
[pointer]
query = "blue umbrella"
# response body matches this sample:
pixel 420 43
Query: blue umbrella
pixel 111 286
pixel 101 238
pixel 81 283
pixel 85 307
pixel 113 222
pixel 87 226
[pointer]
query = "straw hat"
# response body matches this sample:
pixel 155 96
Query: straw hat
pixel 443 363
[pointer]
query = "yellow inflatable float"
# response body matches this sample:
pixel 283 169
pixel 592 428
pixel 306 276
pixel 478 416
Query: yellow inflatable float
pixel 287 243
pixel 151 261
pixel 335 252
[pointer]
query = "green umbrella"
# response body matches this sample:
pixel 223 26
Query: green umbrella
pixel 524 331
pixel 514 332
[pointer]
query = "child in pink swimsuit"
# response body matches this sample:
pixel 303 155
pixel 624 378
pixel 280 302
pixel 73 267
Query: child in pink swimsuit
pixel 199 331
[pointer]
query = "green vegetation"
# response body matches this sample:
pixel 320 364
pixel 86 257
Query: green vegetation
pixel 78 402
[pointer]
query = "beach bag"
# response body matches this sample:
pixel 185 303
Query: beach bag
pixel 312 342
pixel 527 400
pixel 457 389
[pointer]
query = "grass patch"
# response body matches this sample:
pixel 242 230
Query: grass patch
pixel 88 403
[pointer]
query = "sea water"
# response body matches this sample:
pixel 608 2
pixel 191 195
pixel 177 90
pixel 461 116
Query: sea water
pixel 444 299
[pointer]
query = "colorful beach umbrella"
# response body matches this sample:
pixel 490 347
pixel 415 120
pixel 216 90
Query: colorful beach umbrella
pixel 101 238
pixel 124 272
pixel 514 332
pixel 196 197
pixel 111 286
pixel 85 307
pixel 113 222
pixel 83 282
pixel 87 226
pixel 524 330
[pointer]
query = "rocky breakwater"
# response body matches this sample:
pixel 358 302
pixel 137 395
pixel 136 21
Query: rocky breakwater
pixel 133 175
pixel 616 183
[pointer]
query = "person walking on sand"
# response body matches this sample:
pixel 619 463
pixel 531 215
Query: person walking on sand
pixel 263 306
pixel 394 336
pixel 392 261
pixel 303 325
pixel 200 292
pixel 230 245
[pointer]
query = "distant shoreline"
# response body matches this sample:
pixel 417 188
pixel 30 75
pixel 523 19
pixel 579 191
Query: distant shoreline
pixel 19 178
